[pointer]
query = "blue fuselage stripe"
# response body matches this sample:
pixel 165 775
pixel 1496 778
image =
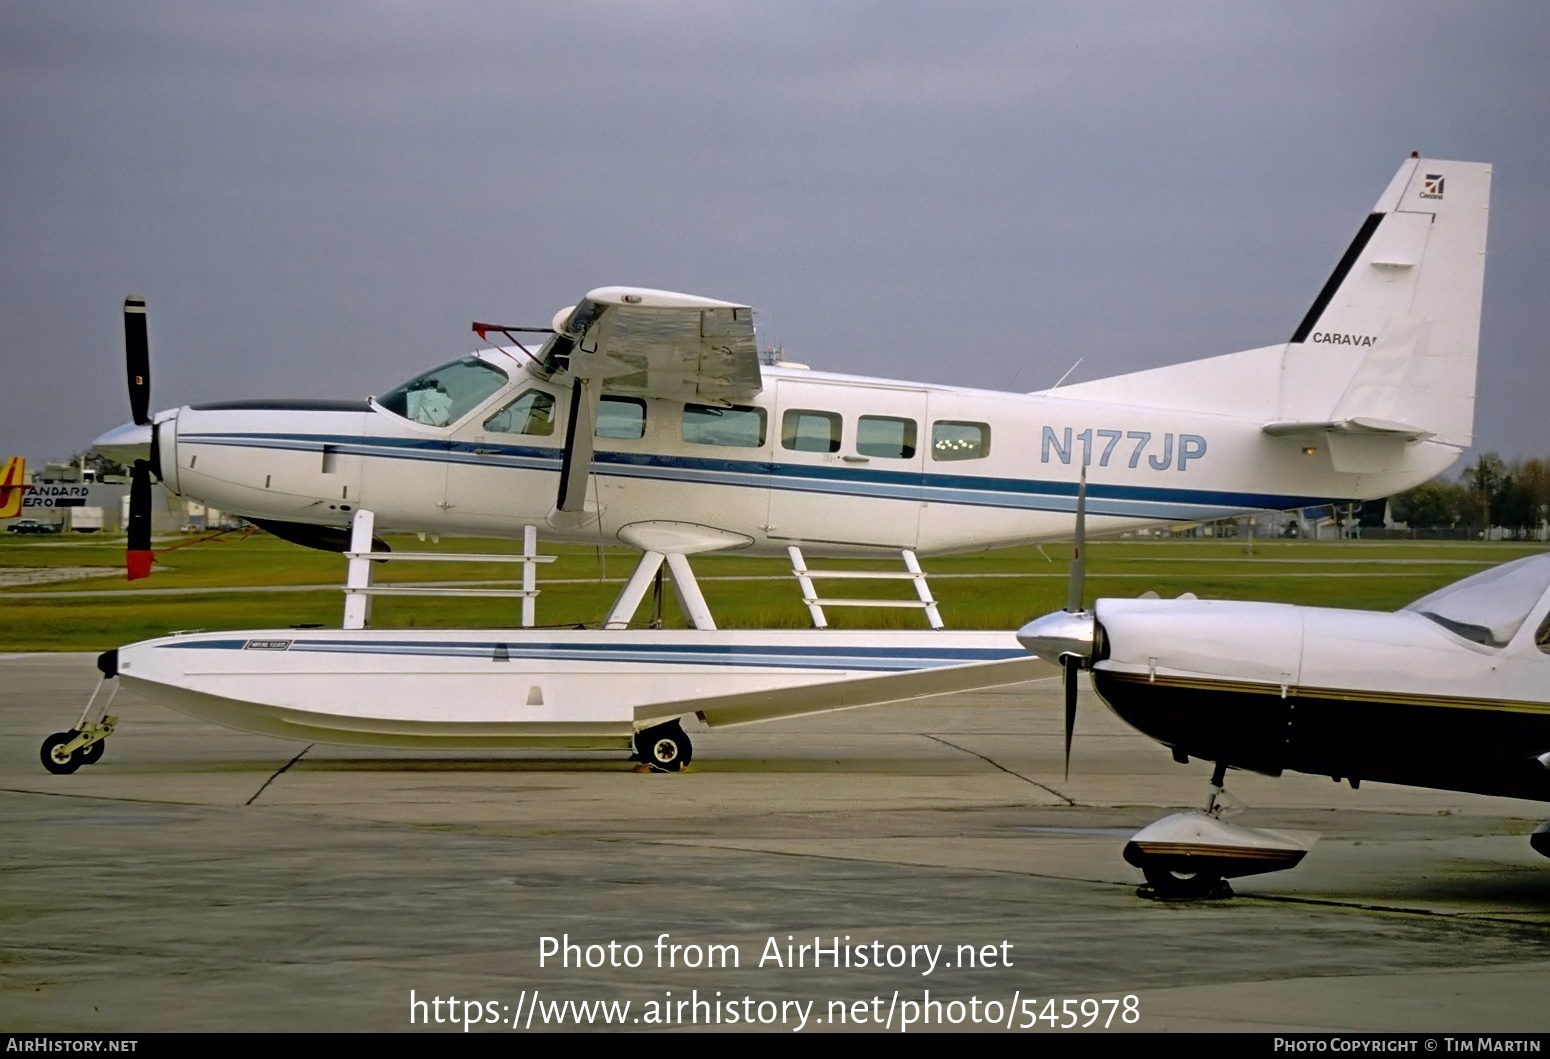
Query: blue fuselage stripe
pixel 1012 493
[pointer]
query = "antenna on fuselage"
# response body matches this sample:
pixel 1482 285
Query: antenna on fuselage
pixel 1066 376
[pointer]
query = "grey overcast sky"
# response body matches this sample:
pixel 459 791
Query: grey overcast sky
pixel 316 198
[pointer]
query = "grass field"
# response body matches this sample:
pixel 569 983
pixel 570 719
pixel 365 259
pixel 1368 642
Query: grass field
pixel 261 582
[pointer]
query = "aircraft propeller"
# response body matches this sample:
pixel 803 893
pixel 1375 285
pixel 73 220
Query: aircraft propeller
pixel 137 363
pixel 1073 663
pixel 1068 636
pixel 137 359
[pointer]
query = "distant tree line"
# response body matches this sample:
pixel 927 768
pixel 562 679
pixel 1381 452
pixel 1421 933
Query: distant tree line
pixel 1490 493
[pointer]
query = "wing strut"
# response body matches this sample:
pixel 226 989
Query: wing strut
pixel 577 461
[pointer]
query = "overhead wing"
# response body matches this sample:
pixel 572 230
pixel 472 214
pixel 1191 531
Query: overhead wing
pixel 644 343
pixel 653 343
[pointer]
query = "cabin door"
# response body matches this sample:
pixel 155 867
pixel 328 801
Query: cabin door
pixel 846 465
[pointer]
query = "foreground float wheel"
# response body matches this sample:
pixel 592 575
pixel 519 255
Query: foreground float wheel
pixel 664 748
pixel 56 759
pixel 1171 882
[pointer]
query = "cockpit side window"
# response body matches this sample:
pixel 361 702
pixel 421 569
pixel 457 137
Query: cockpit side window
pixel 446 394
pixel 1491 606
pixel 532 413
pixel 1542 637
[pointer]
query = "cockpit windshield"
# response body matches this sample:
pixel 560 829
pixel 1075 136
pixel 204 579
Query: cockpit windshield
pixel 446 394
pixel 1489 607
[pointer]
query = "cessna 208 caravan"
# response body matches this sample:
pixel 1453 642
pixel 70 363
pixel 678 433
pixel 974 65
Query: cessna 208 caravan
pixel 647 419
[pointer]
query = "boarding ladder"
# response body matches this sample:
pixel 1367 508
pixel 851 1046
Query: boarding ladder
pixel 359 589
pixel 911 572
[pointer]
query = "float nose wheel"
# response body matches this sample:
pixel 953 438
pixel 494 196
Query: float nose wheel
pixel 56 755
pixel 664 747
pixel 64 752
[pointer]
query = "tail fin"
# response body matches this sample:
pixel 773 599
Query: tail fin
pixel 1384 357
pixel 1390 345
pixel 13 484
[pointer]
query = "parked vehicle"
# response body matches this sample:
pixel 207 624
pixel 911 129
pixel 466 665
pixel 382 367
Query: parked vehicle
pixel 31 525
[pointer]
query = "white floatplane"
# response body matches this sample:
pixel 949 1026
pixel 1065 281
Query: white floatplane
pixel 647 419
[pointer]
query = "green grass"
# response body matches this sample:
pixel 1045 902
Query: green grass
pixel 988 590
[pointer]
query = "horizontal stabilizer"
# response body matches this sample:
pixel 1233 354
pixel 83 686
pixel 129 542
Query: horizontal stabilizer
pixel 1405 431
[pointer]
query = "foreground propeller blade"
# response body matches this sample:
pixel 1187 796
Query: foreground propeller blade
pixel 137 359
pixel 1073 668
pixel 138 558
pixel 1073 663
pixel 1078 548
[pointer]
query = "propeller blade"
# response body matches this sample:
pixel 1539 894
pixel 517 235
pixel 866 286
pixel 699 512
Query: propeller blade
pixel 1078 548
pixel 1073 667
pixel 137 359
pixel 1073 663
pixel 138 558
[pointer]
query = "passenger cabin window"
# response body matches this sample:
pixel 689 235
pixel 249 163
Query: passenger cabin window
pixel 803 430
pixel 621 417
pixel 885 436
pixel 734 426
pixel 959 441
pixel 531 413
pixel 445 394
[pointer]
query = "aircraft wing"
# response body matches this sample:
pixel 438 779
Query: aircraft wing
pixel 726 710
pixel 652 343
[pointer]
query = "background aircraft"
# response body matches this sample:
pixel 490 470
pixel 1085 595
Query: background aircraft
pixel 13 486
pixel 1451 692
pixel 648 420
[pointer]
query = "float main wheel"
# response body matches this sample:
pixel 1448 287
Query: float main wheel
pixel 664 748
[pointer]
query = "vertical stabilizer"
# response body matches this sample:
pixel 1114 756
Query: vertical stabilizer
pixel 1390 344
pixel 13 483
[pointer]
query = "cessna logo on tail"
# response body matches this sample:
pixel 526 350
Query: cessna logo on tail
pixel 1330 338
pixel 1431 186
